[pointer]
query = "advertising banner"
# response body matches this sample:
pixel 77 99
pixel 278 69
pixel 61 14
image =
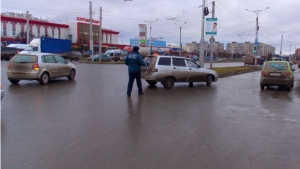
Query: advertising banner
pixel 211 26
pixel 142 35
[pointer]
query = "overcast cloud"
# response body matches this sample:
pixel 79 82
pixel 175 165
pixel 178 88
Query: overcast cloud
pixel 233 19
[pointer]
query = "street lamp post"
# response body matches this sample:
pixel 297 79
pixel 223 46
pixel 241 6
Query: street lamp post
pixel 180 38
pixel 150 39
pixel 256 34
pixel 282 32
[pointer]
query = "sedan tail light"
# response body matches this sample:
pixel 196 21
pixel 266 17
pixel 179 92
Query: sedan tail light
pixel 8 65
pixel 263 73
pixel 35 66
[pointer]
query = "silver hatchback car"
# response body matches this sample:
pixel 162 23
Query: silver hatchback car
pixel 39 66
pixel 171 69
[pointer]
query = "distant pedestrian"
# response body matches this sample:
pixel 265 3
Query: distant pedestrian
pixel 134 61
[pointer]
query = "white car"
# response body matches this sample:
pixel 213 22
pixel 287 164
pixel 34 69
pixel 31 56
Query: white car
pixel 39 66
pixel 171 69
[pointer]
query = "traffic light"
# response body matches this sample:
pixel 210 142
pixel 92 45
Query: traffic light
pixel 254 49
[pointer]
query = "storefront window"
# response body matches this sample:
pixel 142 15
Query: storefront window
pixel 14 32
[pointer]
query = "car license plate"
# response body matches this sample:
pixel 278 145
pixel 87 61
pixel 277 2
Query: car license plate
pixel 275 74
pixel 20 74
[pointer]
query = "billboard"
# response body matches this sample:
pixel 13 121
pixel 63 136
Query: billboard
pixel 211 26
pixel 142 35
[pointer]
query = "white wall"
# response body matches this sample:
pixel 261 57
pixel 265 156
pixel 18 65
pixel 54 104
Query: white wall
pixel 42 31
pixel 18 28
pixel 9 29
pixel 64 33
pixel 34 31
pixel 114 39
pixel 56 33
pixel 71 31
pixel 49 31
pixel 104 38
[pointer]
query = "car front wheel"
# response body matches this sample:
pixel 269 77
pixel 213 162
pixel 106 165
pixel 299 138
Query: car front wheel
pixel 208 80
pixel 72 75
pixel 44 79
pixel 169 82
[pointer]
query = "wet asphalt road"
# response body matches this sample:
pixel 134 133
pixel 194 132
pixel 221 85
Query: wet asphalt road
pixel 90 123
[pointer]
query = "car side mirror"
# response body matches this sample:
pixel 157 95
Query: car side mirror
pixel 199 66
pixel 67 62
pixel 293 70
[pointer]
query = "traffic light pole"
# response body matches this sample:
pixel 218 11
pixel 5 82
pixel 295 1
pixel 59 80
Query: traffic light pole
pixel 201 53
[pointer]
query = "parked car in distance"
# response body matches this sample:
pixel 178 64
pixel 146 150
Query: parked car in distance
pixel 75 55
pixel 39 66
pixel 114 54
pixel 277 73
pixel 171 69
pixel 2 92
pixel 8 52
pixel 104 58
pixel 20 47
pixel 85 54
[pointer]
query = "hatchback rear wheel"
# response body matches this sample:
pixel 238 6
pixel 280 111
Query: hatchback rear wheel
pixel 168 82
pixel 44 79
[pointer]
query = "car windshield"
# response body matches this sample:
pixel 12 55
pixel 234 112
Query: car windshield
pixel 276 66
pixel 24 59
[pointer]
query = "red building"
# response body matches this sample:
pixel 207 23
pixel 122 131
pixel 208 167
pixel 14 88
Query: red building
pixel 14 30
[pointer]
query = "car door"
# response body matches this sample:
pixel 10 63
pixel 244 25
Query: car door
pixel 63 69
pixel 180 70
pixel 51 65
pixel 196 73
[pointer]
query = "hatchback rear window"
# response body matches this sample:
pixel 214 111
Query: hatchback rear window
pixel 164 61
pixel 24 59
pixel 276 66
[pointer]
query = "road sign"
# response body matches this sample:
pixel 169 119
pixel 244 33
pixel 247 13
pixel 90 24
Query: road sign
pixel 256 40
pixel 90 52
pixel 256 44
pixel 212 40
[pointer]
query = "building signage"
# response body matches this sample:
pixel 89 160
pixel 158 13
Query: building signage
pixel 211 26
pixel 86 20
pixel 142 35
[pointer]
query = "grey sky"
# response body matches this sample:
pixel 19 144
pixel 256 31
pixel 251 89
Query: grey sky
pixel 124 17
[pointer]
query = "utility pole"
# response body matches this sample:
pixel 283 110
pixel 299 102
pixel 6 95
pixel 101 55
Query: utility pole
pixel 91 32
pixel 282 32
pixel 180 43
pixel 100 35
pixel 212 40
pixel 150 45
pixel 150 39
pixel 201 53
pixel 27 27
pixel 256 29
